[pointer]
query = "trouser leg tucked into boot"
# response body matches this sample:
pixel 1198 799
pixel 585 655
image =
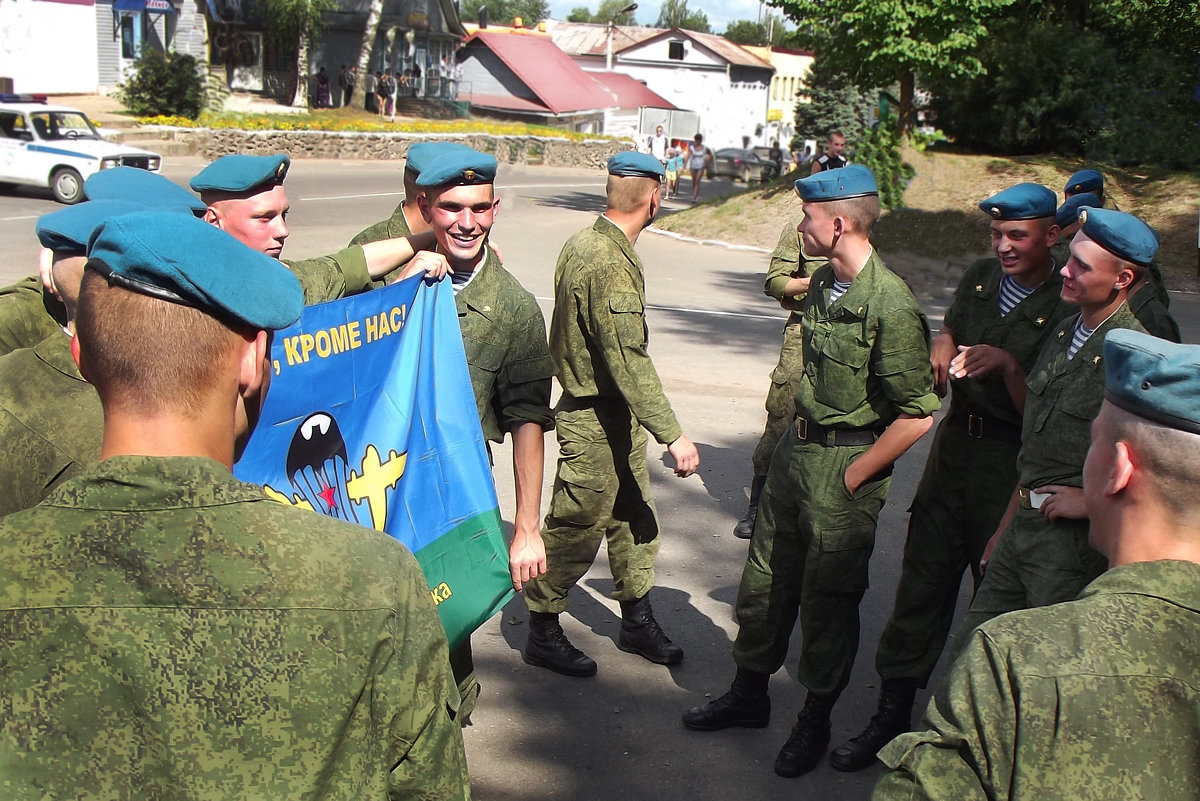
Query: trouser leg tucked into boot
pixel 893 718
pixel 641 634
pixel 745 526
pixel 549 647
pixel 809 738
pixel 746 704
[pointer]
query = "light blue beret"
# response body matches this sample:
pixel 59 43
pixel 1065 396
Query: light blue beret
pixel 459 167
pixel 1085 181
pixel 241 173
pixel 633 163
pixel 141 186
pixel 68 230
pixel 848 182
pixel 422 154
pixel 1068 212
pixel 181 259
pixel 1121 234
pixel 1020 202
pixel 1153 378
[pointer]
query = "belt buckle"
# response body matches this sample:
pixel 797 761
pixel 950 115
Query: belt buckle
pixel 802 428
pixel 975 426
pixel 1023 492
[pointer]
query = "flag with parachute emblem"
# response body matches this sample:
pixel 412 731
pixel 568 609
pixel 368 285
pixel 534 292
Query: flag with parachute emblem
pixel 370 418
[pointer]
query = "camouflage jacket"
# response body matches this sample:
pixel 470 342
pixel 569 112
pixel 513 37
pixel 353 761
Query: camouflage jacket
pixel 331 277
pixel 866 355
pixel 1090 700
pixel 51 422
pixel 392 228
pixel 1064 398
pixel 504 335
pixel 975 318
pixel 166 631
pixel 789 261
pixel 1147 306
pixel 28 315
pixel 598 333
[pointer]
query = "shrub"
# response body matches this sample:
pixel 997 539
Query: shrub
pixel 879 149
pixel 164 85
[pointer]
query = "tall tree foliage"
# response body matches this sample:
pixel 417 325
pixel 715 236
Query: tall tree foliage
pixel 834 103
pixel 503 12
pixel 771 30
pixel 608 10
pixel 300 21
pixel 675 14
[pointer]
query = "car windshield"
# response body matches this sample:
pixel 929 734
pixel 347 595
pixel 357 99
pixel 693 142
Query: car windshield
pixel 63 125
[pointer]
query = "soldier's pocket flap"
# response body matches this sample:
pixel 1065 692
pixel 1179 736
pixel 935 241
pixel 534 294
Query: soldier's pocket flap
pixel 780 375
pixel 570 473
pixel 483 355
pixel 527 370
pixel 851 354
pixel 626 303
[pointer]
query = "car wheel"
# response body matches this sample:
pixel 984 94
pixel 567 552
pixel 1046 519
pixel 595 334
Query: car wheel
pixel 745 175
pixel 67 186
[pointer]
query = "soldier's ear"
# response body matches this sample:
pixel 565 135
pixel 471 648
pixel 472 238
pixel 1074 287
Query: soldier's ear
pixel 1121 474
pixel 78 359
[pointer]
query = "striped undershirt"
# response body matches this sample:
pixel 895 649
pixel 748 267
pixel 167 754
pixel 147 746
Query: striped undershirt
pixel 1079 339
pixel 1011 293
pixel 839 289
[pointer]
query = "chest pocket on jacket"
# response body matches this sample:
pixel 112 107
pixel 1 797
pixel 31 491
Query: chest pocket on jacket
pixel 841 362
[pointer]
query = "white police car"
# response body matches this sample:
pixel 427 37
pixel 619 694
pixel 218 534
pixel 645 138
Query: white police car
pixel 58 147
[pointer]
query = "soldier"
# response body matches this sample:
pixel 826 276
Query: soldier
pixel 244 196
pixel 832 158
pixel 1041 553
pixel 866 395
pixel 610 393
pixel 234 645
pixel 406 219
pixel 787 282
pixel 1003 311
pixel 504 336
pixel 1096 698
pixel 1085 181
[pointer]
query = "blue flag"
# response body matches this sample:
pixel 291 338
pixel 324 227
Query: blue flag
pixel 370 418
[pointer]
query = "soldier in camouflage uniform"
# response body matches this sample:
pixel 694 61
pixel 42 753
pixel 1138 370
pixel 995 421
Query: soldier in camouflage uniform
pixel 1003 311
pixel 611 394
pixel 787 282
pixel 1096 698
pixel 865 397
pixel 234 646
pixel 28 314
pixel 1041 554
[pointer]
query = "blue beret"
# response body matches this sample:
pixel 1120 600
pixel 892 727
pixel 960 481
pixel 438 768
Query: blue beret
pixel 1068 212
pixel 1153 378
pixel 631 162
pixel 141 186
pixel 852 181
pixel 69 229
pixel 241 173
pixel 454 166
pixel 421 154
pixel 1085 181
pixel 1021 202
pixel 184 260
pixel 1121 234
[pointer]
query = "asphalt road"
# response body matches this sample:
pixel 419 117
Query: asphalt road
pixel 715 338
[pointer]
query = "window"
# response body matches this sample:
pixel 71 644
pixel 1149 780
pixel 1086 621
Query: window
pixel 128 37
pixel 675 51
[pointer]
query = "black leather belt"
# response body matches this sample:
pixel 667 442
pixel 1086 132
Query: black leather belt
pixel 835 437
pixel 981 427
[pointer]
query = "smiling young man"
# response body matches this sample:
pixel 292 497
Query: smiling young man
pixel 1003 311
pixel 1041 552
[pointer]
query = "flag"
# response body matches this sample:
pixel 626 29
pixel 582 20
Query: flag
pixel 371 418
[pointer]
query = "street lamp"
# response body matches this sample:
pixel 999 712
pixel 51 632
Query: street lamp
pixel 629 9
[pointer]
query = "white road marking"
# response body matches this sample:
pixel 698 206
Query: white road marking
pixel 26 217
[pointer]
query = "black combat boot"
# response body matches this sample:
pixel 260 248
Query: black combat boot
pixel 892 718
pixel 808 739
pixel 745 526
pixel 746 704
pixel 641 634
pixel 549 647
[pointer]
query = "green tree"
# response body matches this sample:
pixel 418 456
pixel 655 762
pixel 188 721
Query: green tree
pixel 879 149
pixel 770 31
pixel 580 14
pixel 880 42
pixel 502 12
pixel 298 21
pixel 168 85
pixel 675 14
pixel 611 10
pixel 834 103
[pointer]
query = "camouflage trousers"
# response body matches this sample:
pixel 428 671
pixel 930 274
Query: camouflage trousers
pixel 808 558
pixel 1037 562
pixel 601 494
pixel 963 492
pixel 781 397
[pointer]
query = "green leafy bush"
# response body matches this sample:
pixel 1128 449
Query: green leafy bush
pixel 879 149
pixel 168 85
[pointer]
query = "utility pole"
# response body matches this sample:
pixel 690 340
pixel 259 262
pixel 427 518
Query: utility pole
pixel 629 9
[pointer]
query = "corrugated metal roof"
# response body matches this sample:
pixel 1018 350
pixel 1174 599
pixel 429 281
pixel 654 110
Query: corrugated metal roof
pixel 718 45
pixel 549 72
pixel 629 92
pixel 506 103
pixel 591 39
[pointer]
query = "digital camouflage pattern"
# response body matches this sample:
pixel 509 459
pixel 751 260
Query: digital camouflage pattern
pixel 504 336
pixel 866 361
pixel 968 477
pixel 611 391
pixel 28 314
pixel 1038 561
pixel 393 227
pixel 1154 316
pixel 169 632
pixel 51 422
pixel 788 261
pixel 1094 700
pixel 331 277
